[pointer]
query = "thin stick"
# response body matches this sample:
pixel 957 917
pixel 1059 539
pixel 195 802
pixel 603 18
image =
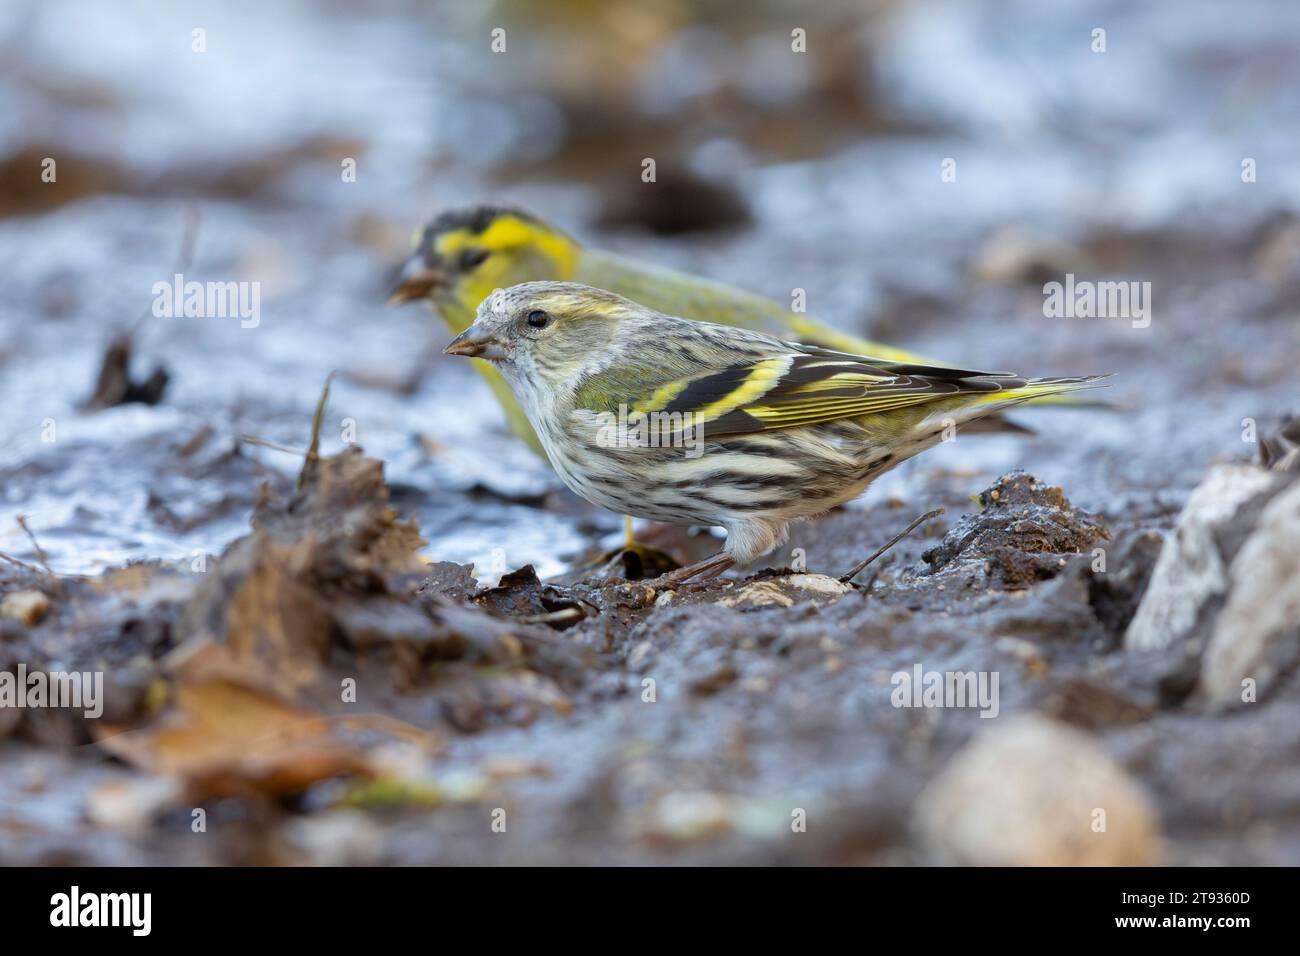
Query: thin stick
pixel 41 556
pixel 267 443
pixel 845 579
pixel 22 564
pixel 563 615
pixel 313 450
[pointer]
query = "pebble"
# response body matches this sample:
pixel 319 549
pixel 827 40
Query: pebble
pixel 1253 634
pixel 1035 792
pixel 691 816
pixel 1190 570
pixel 29 607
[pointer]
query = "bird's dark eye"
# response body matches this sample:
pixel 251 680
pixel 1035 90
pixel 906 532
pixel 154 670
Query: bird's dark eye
pixel 471 258
pixel 538 319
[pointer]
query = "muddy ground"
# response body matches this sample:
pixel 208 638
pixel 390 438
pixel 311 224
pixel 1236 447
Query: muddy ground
pixel 310 658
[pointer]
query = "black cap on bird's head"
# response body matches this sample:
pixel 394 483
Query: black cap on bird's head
pixel 461 251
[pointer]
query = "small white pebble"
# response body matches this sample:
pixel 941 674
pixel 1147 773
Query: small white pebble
pixel 30 607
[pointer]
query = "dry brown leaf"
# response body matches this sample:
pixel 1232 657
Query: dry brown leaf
pixel 224 739
pixel 276 625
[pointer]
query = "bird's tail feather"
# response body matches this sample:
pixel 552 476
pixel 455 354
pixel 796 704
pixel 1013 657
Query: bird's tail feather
pixel 940 423
pixel 1038 388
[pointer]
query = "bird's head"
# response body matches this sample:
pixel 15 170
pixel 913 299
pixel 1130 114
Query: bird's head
pixel 549 331
pixel 464 254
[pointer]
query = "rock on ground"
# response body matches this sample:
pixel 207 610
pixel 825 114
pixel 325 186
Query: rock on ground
pixel 1192 568
pixel 1257 632
pixel 1034 792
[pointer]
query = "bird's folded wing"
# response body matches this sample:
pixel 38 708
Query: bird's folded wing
pixel 791 389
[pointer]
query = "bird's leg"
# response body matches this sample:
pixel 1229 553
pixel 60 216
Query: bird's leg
pixel 705 570
pixel 630 545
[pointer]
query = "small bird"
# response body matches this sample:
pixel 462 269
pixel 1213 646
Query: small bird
pixel 690 422
pixel 463 255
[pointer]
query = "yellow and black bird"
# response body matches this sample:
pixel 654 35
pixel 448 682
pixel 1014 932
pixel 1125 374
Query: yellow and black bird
pixel 463 255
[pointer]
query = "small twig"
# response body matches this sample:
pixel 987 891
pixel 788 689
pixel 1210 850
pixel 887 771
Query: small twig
pixel 41 556
pixel 313 450
pixel 22 564
pixel 267 443
pixel 871 583
pixel 846 578
pixel 561 616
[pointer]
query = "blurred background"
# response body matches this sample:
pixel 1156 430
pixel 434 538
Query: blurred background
pixel 817 170
pixel 797 146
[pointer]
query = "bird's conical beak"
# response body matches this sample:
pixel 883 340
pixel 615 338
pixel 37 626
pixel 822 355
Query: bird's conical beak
pixel 474 342
pixel 416 281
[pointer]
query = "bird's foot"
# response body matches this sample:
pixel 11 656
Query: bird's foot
pixel 637 563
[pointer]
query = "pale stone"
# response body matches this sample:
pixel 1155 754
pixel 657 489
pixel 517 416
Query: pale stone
pixel 30 607
pixel 1034 792
pixel 1255 633
pixel 1190 569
